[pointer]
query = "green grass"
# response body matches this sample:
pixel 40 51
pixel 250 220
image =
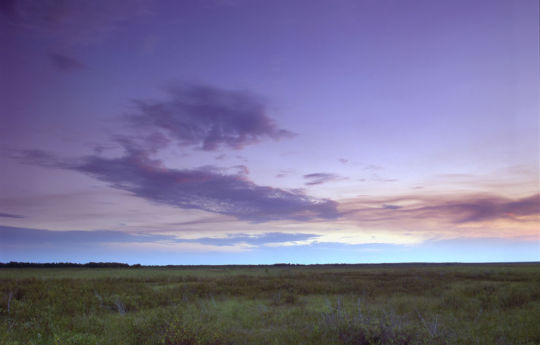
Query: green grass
pixel 342 304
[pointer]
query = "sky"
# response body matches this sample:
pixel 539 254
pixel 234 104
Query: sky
pixel 260 132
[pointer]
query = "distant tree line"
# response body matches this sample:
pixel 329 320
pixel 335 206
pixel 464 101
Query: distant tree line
pixel 15 264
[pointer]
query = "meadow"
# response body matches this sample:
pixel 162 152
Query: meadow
pixel 280 304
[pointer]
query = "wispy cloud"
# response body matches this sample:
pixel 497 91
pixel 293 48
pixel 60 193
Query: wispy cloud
pixel 9 215
pixel 319 178
pixel 208 118
pixel 36 239
pixel 184 247
pixel 19 237
pixel 284 173
pixel 442 209
pixel 38 157
pixel 66 63
pixel 375 173
pixel 260 239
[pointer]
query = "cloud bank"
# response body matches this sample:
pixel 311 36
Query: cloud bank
pixel 200 117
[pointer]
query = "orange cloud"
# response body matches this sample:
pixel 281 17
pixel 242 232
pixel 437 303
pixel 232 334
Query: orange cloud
pixel 471 215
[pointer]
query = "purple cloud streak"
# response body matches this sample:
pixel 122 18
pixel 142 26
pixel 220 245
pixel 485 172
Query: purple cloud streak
pixel 443 209
pixel 10 236
pixel 205 188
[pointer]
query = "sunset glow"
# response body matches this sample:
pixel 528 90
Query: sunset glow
pixel 255 132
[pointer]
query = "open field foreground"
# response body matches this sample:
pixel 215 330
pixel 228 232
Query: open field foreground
pixel 341 304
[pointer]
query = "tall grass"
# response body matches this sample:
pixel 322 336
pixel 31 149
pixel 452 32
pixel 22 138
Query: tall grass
pixel 364 304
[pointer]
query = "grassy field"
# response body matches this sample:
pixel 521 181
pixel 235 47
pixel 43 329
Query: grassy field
pixel 343 304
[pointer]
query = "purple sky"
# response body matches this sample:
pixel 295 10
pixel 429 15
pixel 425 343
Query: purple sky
pixel 170 132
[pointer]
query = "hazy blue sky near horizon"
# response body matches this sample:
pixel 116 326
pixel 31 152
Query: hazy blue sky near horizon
pixel 214 132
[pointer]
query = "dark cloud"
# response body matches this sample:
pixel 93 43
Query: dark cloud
pixel 8 8
pixel 9 215
pixel 206 188
pixel 66 63
pixel 391 207
pixel 208 118
pixel 319 178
